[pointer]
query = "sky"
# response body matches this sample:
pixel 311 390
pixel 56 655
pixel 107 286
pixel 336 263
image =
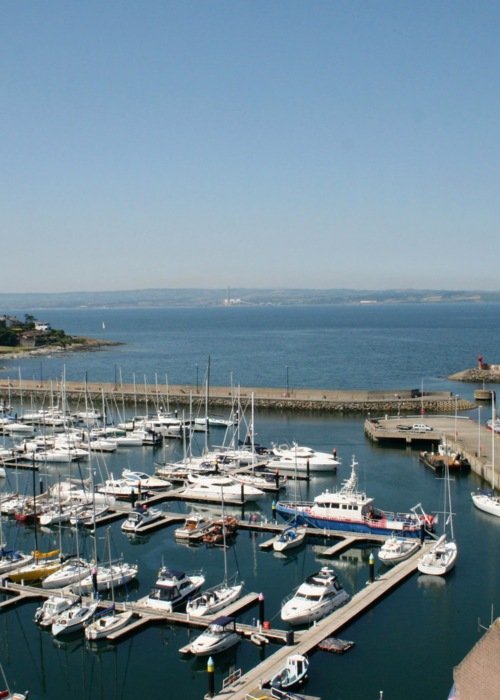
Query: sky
pixel 249 143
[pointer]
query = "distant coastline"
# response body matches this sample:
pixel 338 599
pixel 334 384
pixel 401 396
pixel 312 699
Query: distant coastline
pixel 230 298
pixel 80 345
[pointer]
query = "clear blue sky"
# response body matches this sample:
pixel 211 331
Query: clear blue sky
pixel 263 143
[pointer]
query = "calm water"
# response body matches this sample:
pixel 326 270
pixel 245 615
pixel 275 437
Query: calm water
pixel 427 624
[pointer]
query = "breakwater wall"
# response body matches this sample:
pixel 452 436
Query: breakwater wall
pixel 45 394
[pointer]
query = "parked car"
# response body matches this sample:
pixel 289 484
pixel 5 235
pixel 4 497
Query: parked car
pixel 421 427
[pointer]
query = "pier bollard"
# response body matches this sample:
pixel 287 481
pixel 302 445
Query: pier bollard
pixel 211 677
pixel 371 561
pixel 273 511
pixel 289 638
pixel 261 609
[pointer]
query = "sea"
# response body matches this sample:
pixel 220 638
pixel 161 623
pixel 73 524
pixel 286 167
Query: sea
pixel 407 644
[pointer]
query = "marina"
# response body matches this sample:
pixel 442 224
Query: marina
pixel 147 650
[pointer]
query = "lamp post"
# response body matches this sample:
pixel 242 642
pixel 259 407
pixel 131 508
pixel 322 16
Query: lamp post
pixel 457 396
pixel 287 382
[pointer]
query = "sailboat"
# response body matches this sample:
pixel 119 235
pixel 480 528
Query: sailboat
pixel 486 500
pixel 108 620
pixel 218 597
pixel 442 555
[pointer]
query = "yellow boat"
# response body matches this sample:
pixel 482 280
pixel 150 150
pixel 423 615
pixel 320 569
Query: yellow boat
pixel 44 563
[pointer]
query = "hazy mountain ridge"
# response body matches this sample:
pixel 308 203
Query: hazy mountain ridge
pixel 235 297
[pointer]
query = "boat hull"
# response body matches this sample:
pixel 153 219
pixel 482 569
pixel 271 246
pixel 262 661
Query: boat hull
pixel 376 527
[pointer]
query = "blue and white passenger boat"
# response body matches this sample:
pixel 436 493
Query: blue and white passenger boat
pixel 353 511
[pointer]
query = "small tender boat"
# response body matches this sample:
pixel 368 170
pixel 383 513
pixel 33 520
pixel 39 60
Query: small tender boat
pixel 396 549
pixel 139 518
pixel 290 538
pixel 220 635
pixel 293 672
pixel 320 594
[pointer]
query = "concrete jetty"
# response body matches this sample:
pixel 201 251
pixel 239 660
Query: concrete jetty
pixel 271 398
pixel 461 434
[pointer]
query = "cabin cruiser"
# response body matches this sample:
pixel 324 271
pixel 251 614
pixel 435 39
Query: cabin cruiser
pixel 52 607
pixel 172 588
pixel 301 458
pixel 139 519
pixel 320 594
pixel 220 635
pixel 220 487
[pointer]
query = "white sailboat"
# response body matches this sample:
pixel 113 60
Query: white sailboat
pixel 109 620
pixel 441 557
pixel 215 599
pixel 486 500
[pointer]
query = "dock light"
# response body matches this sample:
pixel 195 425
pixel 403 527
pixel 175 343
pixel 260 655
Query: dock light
pixel 211 677
pixel 371 561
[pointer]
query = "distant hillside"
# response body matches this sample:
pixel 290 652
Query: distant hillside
pixel 234 297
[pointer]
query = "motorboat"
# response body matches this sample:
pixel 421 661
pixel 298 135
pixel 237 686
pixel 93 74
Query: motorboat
pixel 220 487
pixel 106 622
pixel 290 538
pixel 139 518
pixel 52 607
pixel 349 509
pixel 301 458
pixel 320 594
pixel 75 618
pixel 220 635
pixel 195 525
pixel 172 588
pixel 122 489
pixel 293 673
pixel 396 549
pixel 141 480
pixel 221 530
pixel 440 558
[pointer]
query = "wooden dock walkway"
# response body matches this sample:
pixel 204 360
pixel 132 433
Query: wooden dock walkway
pixel 306 641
